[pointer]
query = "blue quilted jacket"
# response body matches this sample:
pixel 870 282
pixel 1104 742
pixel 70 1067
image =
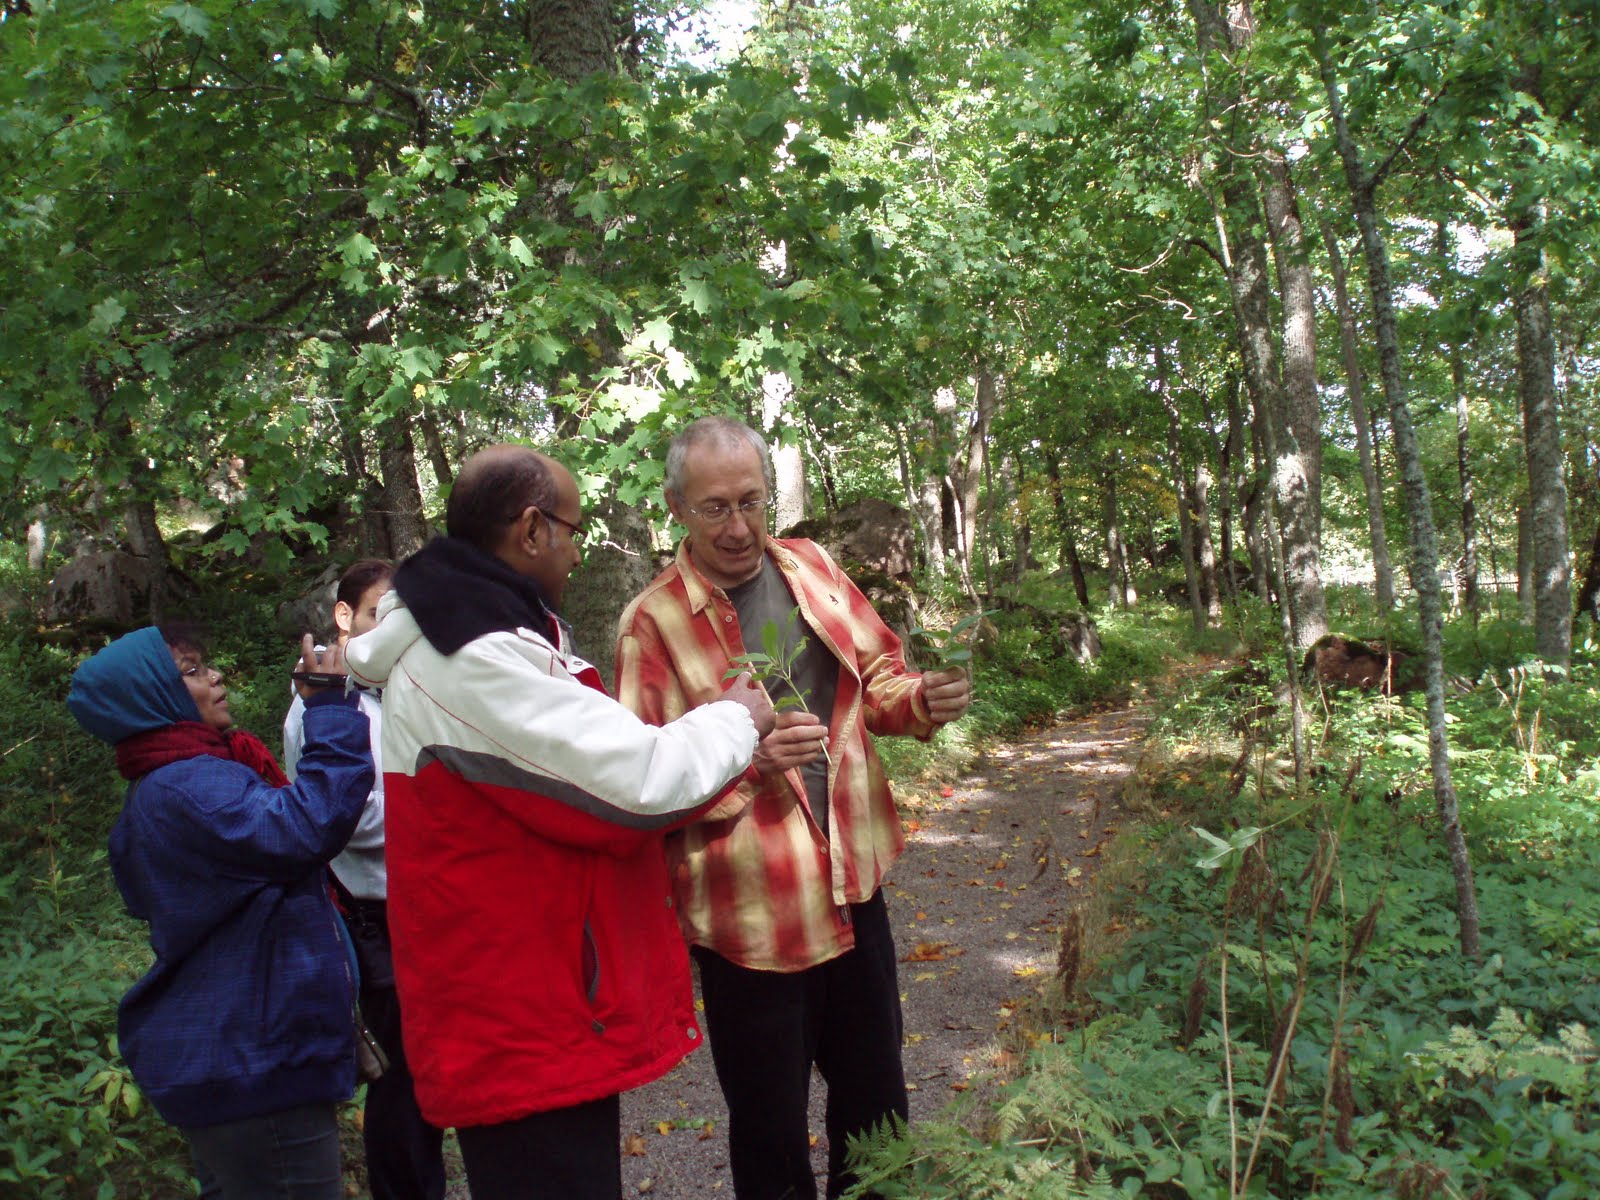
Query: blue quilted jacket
pixel 249 1006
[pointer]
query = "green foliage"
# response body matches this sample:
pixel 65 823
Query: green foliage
pixel 945 648
pixel 774 664
pixel 1408 1070
pixel 75 1123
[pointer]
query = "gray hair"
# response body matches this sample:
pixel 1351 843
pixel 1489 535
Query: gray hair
pixel 722 430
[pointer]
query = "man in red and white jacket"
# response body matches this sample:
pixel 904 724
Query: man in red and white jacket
pixel 536 952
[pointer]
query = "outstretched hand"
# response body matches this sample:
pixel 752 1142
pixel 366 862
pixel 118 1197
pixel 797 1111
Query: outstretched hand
pixel 329 662
pixel 946 693
pixel 743 690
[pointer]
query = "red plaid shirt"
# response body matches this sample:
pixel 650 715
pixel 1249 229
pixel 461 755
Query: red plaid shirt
pixel 755 878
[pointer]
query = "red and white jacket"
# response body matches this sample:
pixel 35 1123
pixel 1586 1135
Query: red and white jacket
pixel 536 952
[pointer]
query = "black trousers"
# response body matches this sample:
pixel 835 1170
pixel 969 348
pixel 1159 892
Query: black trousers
pixel 767 1029
pixel 566 1154
pixel 405 1154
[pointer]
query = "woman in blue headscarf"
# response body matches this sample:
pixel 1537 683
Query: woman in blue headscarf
pixel 242 1032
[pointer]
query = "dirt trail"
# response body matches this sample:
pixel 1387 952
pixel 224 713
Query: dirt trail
pixel 976 922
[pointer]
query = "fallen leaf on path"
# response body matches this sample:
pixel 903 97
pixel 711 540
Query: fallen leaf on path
pixel 932 952
pixel 663 1127
pixel 646 1185
pixel 960 1086
pixel 924 976
pixel 633 1145
pixel 707 1131
pixel 947 792
pixel 1024 972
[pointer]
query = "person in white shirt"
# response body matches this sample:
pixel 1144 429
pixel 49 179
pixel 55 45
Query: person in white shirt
pixel 403 1152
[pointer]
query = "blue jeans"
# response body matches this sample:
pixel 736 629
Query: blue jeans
pixel 287 1155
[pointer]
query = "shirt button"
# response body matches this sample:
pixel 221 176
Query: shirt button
pixel 692 1032
pixel 728 619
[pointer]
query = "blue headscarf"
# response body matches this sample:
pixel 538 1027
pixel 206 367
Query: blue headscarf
pixel 129 687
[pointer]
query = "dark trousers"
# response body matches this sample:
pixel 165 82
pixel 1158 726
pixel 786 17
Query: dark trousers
pixel 570 1153
pixel 405 1155
pixel 287 1155
pixel 768 1028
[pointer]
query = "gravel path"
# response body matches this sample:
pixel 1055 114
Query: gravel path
pixel 976 915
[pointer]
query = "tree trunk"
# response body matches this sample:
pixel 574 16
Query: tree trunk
pixel 38 538
pixel 777 400
pixel 610 580
pixel 963 563
pixel 788 457
pixel 1244 258
pixel 1069 541
pixel 822 455
pixel 1180 484
pixel 1469 506
pixel 405 528
pixel 1382 571
pixel 971 464
pixel 1541 429
pixel 1302 415
pixel 1122 593
pixel 1204 550
pixel 1525 584
pixel 1589 593
pixel 1247 486
pixel 433 441
pixel 925 503
pixel 1224 451
pixel 1419 505
pixel 1467 565
pixel 573 39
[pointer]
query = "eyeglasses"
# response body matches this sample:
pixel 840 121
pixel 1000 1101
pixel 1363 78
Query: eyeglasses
pixel 716 513
pixel 576 532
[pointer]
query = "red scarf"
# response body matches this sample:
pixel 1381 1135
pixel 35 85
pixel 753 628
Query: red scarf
pixel 144 752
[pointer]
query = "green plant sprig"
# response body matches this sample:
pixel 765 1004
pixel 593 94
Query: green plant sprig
pixel 775 663
pixel 951 647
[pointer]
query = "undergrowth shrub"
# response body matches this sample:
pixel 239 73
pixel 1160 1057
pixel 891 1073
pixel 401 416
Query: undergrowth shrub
pixel 74 1122
pixel 1301 1016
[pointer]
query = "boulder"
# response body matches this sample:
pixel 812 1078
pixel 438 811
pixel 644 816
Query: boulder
pixel 1344 662
pixel 867 538
pixel 108 589
pixel 312 611
pixel 1076 635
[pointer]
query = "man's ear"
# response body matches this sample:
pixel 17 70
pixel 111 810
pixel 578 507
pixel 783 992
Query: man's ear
pixel 343 615
pixel 674 504
pixel 524 529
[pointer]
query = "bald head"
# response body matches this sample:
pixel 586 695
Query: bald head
pixel 495 487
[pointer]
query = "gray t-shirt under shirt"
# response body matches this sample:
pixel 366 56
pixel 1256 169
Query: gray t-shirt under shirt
pixel 816 672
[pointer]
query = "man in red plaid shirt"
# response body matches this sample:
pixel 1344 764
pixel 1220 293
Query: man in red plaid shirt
pixel 778 887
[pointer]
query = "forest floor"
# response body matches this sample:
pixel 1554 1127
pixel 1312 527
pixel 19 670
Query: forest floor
pixel 994 864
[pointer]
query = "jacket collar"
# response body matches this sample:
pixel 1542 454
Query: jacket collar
pixel 700 590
